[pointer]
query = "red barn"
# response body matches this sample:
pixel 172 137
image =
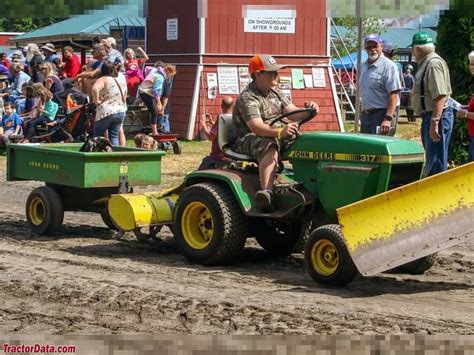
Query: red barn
pixel 211 42
pixel 5 38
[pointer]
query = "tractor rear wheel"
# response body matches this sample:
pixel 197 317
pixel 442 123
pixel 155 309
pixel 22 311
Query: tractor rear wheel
pixel 44 210
pixel 278 237
pixel 418 266
pixel 209 226
pixel 326 257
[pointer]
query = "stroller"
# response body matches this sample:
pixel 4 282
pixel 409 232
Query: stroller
pixel 74 119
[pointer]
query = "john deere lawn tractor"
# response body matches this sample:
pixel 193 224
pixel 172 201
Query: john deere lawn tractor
pixel 356 200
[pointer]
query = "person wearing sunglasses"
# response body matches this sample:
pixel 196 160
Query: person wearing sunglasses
pixel 256 106
pixel 380 87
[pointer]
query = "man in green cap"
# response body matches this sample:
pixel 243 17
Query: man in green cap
pixel 431 92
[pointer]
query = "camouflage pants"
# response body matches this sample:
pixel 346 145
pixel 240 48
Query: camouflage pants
pixel 256 147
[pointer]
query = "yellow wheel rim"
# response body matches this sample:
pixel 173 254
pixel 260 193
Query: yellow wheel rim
pixel 324 257
pixel 197 225
pixel 37 211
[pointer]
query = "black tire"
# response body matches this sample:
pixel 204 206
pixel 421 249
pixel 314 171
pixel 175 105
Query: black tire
pixel 419 266
pixel 104 214
pixel 278 237
pixel 44 210
pixel 209 226
pixel 176 148
pixel 319 219
pixel 327 259
pixel 145 233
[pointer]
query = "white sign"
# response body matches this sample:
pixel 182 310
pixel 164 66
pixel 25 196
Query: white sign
pixel 211 86
pixel 172 29
pixel 269 25
pixel 228 80
pixel 319 79
pixel 269 20
pixel 308 80
pixel 244 78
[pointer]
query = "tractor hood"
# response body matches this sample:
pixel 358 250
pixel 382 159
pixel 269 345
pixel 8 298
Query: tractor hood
pixel 355 147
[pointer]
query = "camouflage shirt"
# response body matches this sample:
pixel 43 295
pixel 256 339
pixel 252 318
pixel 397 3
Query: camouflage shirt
pixel 253 104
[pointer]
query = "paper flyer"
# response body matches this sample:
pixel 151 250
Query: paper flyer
pixel 244 78
pixel 211 86
pixel 308 80
pixel 319 79
pixel 298 78
pixel 228 79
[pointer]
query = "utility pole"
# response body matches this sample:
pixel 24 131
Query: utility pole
pixel 359 65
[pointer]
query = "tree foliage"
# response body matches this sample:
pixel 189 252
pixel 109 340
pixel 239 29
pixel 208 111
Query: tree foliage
pixel 369 25
pixel 25 24
pixel 454 42
pixel 52 8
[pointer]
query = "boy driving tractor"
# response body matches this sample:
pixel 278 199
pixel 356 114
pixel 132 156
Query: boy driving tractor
pixel 256 106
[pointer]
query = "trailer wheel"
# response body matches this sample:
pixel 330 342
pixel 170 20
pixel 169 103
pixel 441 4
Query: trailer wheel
pixel 145 233
pixel 104 214
pixel 418 266
pixel 277 237
pixel 327 259
pixel 176 148
pixel 209 225
pixel 44 210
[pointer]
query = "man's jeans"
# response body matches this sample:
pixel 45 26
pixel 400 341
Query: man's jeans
pixel 111 123
pixel 437 153
pixel 471 150
pixel 369 122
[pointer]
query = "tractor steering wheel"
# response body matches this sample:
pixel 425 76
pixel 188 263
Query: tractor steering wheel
pixel 310 113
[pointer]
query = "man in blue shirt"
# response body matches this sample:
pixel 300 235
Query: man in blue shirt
pixel 380 87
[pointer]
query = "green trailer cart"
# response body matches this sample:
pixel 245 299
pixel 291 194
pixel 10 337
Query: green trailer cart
pixel 77 181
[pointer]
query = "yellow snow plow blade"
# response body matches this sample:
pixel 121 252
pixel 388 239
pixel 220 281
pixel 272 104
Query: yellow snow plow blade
pixel 410 222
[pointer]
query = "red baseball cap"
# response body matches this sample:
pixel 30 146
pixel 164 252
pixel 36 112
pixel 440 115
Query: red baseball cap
pixel 263 62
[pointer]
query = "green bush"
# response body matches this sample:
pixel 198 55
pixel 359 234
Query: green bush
pixel 455 52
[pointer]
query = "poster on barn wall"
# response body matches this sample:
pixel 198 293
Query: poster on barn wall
pixel 244 78
pixel 297 78
pixel 211 86
pixel 172 29
pixel 228 80
pixel 319 79
pixel 308 80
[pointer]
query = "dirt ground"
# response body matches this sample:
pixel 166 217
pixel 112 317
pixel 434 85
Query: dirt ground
pixel 84 281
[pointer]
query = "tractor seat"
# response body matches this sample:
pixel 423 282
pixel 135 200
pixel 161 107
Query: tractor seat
pixel 224 129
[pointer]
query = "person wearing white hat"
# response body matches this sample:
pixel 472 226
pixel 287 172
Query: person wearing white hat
pixel 50 55
pixel 49 52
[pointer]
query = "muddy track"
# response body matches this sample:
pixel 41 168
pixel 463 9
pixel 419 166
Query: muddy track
pixel 83 280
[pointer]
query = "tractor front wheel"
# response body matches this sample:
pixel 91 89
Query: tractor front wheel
pixel 44 210
pixel 326 257
pixel 209 225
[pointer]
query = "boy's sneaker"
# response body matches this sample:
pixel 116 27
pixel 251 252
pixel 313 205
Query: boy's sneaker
pixel 263 200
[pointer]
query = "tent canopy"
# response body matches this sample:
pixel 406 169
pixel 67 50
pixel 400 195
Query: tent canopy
pixel 345 62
